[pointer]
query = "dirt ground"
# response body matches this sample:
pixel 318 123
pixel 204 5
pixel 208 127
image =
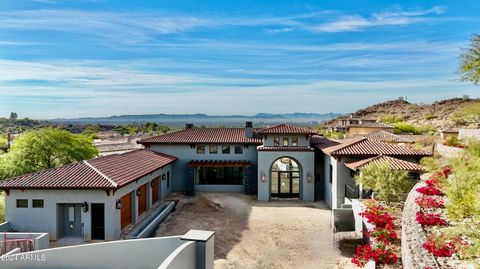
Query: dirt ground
pixel 259 235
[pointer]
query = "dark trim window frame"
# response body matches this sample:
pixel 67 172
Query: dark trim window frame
pixel 200 149
pixel 38 203
pixel 213 149
pixel 22 203
pixel 294 141
pixel 225 149
pixel 238 150
pixel 168 179
pixel 276 141
pixel 286 141
pixel 330 177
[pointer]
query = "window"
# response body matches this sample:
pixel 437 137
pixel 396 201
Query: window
pixel 200 149
pixel 212 149
pixel 276 141
pixel 225 149
pixel 331 174
pixel 294 141
pixel 22 203
pixel 285 141
pixel 168 179
pixel 219 176
pixel 37 203
pixel 238 150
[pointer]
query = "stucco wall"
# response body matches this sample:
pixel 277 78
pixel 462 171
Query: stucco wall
pixel 185 154
pixel 306 161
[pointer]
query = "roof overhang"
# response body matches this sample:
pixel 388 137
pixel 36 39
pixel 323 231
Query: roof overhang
pixel 218 163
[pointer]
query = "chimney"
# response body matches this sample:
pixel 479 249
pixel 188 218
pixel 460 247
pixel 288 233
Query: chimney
pixel 248 129
pixel 189 126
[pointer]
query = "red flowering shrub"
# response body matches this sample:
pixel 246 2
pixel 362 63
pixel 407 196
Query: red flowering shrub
pixel 426 219
pixel 441 246
pixel 381 255
pixel 429 202
pixel 447 170
pixel 429 190
pixel 385 235
pixel 377 215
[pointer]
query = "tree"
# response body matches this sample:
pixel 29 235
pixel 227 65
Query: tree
pixel 43 149
pixel 13 117
pixel 470 61
pixel 387 183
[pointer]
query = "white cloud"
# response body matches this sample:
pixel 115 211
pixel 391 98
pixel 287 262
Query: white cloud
pixel 350 23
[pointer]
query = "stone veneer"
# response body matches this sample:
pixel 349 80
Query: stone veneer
pixel 414 256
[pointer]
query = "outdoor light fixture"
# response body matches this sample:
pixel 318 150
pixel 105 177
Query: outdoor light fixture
pixel 309 177
pixel 139 192
pixel 84 207
pixel 152 183
pixel 118 204
pixel 263 177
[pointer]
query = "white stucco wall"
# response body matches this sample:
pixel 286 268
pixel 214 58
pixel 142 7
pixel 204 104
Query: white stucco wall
pixel 186 153
pixel 306 159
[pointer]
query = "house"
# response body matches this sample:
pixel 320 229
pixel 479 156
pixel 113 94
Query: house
pixel 94 199
pixel 361 126
pixel 100 198
pixel 388 137
pixel 446 133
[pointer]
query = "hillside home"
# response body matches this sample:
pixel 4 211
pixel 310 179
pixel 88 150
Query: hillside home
pixel 361 126
pixel 99 198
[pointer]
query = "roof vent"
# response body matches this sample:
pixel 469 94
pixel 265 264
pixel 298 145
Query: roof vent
pixel 189 126
pixel 249 129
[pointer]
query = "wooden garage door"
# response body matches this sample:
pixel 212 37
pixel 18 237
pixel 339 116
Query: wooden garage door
pixel 142 199
pixel 155 190
pixel 126 212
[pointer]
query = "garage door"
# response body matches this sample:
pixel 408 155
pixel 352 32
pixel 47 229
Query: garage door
pixel 126 214
pixel 155 190
pixel 142 199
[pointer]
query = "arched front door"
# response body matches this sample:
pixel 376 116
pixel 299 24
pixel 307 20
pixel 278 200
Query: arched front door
pixel 285 178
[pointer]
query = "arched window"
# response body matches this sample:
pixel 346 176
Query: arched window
pixel 285 178
pixel 285 164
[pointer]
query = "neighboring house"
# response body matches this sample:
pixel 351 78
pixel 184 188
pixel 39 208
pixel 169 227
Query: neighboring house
pixel 338 177
pixel 361 126
pixel 117 145
pixel 446 133
pixel 94 199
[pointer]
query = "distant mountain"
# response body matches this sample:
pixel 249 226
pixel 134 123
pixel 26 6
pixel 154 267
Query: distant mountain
pixel 204 119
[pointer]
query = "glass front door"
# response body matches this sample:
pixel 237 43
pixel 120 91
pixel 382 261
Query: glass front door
pixel 285 184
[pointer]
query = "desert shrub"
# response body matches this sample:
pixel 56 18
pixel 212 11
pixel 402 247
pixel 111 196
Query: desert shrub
pixel 405 127
pixel 430 163
pixel 452 140
pixel 429 116
pixel 388 184
pixel 392 119
pixel 466 230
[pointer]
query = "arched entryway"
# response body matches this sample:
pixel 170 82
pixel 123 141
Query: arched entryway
pixel 285 178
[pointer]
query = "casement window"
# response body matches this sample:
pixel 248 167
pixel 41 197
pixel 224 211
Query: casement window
pixel 213 149
pixel 37 203
pixel 238 150
pixel 225 149
pixel 200 149
pixel 276 141
pixel 294 141
pixel 285 141
pixel 22 203
pixel 168 179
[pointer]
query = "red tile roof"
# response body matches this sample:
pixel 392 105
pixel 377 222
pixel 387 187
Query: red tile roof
pixel 290 148
pixel 321 142
pixel 284 129
pixel 218 163
pixel 372 125
pixel 109 172
pixel 385 136
pixel 367 147
pixel 203 136
pixel 394 163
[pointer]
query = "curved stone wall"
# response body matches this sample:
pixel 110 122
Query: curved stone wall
pixel 414 256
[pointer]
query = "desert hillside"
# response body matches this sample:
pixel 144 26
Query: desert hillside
pixel 436 114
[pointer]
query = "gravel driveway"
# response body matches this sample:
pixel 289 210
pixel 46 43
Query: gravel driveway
pixel 258 235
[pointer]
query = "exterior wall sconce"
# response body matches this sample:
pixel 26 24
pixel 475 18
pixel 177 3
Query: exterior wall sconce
pixel 84 206
pixel 139 192
pixel 309 177
pixel 152 183
pixel 263 177
pixel 118 204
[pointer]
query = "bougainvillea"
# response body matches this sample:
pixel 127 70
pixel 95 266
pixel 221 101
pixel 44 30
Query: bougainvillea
pixel 377 215
pixel 441 246
pixel 425 201
pixel 426 219
pixel 429 190
pixel 381 255
pixel 385 234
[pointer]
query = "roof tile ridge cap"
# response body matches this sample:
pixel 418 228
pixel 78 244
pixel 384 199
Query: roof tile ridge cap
pixel 38 172
pixel 160 153
pixel 100 173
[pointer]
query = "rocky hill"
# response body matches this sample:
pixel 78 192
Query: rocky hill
pixel 436 114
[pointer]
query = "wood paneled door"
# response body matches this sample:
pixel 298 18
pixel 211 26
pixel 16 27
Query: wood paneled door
pixel 142 199
pixel 155 190
pixel 126 212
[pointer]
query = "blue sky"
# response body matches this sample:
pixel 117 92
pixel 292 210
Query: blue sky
pixel 68 58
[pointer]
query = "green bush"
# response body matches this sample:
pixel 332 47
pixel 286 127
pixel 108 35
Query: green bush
pixel 429 116
pixel 390 119
pixel 387 183
pixel 452 140
pixel 405 127
pixel 430 163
